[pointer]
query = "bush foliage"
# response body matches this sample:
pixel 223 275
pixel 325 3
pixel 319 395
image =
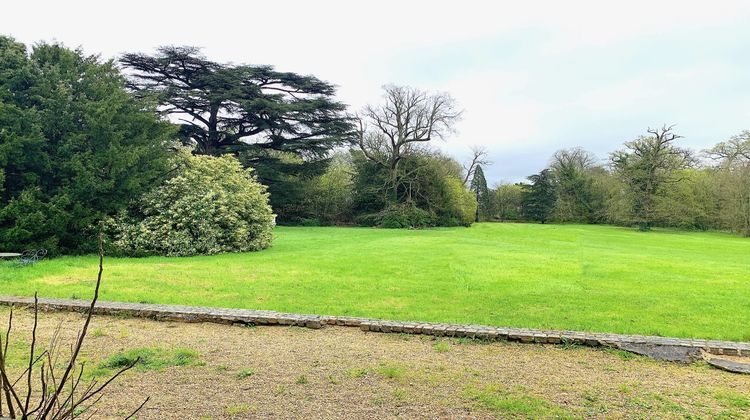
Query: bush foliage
pixel 212 205
pixel 75 146
pixel 405 215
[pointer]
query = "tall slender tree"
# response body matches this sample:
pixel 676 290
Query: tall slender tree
pixel 479 188
pixel 539 197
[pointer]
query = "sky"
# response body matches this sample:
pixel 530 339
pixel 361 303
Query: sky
pixel 531 77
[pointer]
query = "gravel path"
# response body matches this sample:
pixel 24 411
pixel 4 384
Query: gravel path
pixel 339 372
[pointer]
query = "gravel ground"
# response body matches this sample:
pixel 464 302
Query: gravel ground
pixel 289 372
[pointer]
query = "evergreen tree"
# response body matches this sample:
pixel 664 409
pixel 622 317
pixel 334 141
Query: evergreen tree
pixel 282 124
pixel 75 146
pixel 484 199
pixel 539 197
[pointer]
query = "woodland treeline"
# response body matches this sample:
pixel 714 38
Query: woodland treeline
pixel 87 143
pixel 651 181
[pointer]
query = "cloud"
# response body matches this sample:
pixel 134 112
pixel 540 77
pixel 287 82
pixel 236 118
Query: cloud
pixel 532 77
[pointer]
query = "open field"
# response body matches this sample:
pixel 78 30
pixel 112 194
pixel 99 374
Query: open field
pixel 292 372
pixel 594 278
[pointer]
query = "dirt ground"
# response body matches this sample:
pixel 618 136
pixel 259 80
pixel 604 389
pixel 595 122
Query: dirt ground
pixel 261 372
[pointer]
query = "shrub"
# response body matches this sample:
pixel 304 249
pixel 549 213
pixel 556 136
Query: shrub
pixel 367 220
pixel 460 204
pixel 430 193
pixel 329 196
pixel 405 215
pixel 212 205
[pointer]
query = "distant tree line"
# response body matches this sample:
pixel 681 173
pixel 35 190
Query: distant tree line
pixel 650 182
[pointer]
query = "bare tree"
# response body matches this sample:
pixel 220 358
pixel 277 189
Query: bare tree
pixel 573 159
pixel 737 148
pixel 408 119
pixel 478 157
pixel 59 396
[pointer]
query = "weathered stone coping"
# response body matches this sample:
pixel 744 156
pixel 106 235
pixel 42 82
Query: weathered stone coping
pixel 262 317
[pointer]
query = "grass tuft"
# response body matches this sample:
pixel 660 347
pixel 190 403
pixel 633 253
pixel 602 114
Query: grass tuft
pixel 513 403
pixel 151 359
pixel 245 373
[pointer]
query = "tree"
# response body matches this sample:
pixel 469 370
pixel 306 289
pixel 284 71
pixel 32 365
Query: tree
pixel 539 197
pixel 280 123
pixel 437 195
pixel 508 201
pixel 733 182
pixel 330 194
pixel 75 146
pixel 646 165
pixel 408 119
pixel 228 108
pixel 577 198
pixel 734 150
pixel 211 205
pixel 482 193
pixel 478 157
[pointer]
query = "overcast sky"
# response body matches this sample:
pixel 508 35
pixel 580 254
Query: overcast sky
pixel 532 77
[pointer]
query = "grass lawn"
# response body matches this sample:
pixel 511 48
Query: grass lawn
pixel 594 278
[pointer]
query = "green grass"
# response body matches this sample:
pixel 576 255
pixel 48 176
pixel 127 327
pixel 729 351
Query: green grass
pixel 245 373
pixel 391 371
pixel 594 278
pixel 513 403
pixel 149 359
pixel 442 347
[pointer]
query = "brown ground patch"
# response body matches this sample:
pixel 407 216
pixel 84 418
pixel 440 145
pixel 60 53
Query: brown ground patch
pixel 345 373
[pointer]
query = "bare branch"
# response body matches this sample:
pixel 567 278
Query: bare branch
pixel 479 157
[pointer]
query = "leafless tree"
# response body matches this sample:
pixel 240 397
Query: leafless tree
pixel 573 159
pixel 736 149
pixel 478 157
pixel 59 396
pixel 408 119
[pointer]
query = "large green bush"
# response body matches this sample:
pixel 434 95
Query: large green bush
pixel 460 204
pixel 406 215
pixel 430 193
pixel 75 146
pixel 329 196
pixel 212 205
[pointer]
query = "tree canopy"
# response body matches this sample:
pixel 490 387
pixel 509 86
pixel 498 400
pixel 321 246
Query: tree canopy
pixel 539 196
pixel 75 146
pixel 646 165
pixel 224 108
pixel 482 193
pixel 404 124
pixel 577 197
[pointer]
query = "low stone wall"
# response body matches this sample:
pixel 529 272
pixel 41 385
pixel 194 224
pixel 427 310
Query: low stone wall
pixel 260 317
